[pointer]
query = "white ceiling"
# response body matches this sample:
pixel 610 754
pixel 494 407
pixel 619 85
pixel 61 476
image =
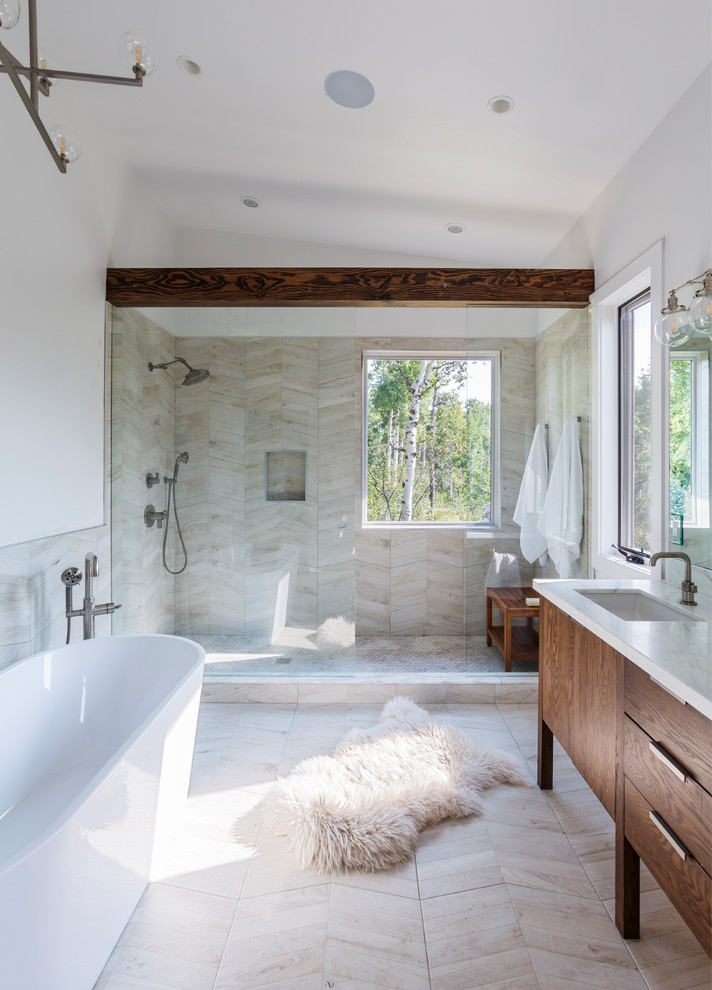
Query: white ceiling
pixel 590 80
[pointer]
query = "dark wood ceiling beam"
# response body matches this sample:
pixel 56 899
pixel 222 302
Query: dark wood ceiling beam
pixel 526 287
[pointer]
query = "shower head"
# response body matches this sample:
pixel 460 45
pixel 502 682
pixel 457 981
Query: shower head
pixel 194 375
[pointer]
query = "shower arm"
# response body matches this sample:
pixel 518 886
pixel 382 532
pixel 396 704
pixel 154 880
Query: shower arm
pixel 166 364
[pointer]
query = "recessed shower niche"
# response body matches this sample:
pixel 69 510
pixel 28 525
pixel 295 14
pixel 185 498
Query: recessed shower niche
pixel 285 475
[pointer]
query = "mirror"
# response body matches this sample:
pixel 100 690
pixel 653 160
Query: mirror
pixel 52 411
pixel 690 449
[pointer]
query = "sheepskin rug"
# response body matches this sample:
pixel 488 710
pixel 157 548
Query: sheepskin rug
pixel 363 807
pixel 336 633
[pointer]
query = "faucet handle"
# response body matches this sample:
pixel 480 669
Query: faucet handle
pixel 71 576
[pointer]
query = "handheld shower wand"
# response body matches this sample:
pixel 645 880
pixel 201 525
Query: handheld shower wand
pixel 180 459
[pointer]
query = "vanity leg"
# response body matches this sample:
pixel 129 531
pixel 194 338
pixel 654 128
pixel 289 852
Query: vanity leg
pixel 545 757
pixel 627 886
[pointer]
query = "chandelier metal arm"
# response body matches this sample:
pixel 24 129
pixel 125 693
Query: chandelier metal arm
pixel 42 84
pixel 34 51
pixel 37 73
pixel 7 60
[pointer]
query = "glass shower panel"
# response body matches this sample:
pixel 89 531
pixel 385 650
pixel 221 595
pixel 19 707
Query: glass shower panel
pixel 492 555
pixel 266 499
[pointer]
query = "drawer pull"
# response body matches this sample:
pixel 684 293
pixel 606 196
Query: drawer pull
pixel 670 836
pixel 667 690
pixel 657 750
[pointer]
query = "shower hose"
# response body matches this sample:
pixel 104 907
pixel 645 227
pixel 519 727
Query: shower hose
pixel 172 492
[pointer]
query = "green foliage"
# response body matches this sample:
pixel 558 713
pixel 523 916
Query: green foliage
pixel 453 473
pixel 680 436
pixel 641 460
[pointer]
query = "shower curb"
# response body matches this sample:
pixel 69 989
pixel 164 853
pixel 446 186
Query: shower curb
pixel 485 689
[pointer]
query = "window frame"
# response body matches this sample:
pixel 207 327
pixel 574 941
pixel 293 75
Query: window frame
pixel 626 415
pixel 437 354
pixel 645 272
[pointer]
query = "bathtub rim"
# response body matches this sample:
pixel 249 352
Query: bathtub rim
pixel 45 834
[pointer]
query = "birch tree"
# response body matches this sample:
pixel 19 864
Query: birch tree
pixel 425 442
pixel 416 386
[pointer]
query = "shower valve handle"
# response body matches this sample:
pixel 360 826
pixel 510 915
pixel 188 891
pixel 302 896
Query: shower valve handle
pixel 151 516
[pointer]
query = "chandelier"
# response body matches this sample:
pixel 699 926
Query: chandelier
pixel 63 146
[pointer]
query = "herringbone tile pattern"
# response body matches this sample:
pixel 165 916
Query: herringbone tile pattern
pixel 516 899
pixel 250 656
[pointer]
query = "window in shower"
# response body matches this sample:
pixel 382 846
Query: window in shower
pixel 429 449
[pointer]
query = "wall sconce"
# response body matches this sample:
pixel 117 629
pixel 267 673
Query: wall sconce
pixel 677 323
pixel 63 146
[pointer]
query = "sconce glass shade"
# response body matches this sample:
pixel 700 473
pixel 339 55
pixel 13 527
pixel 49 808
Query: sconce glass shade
pixel 137 49
pixel 701 308
pixel 674 328
pixel 66 143
pixel 9 13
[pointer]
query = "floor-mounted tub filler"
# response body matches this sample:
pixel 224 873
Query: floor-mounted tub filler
pixel 97 740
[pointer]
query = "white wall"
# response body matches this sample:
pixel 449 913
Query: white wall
pixel 206 248
pixel 59 233
pixel 662 194
pixel 664 191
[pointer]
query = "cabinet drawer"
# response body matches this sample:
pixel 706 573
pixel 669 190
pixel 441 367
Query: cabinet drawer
pixel 684 732
pixel 685 806
pixel 683 880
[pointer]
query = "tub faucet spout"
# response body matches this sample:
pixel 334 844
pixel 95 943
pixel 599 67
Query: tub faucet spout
pixel 687 586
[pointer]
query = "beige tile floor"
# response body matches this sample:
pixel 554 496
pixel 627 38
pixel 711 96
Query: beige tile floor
pixel 517 899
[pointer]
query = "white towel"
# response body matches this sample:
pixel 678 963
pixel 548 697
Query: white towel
pixel 562 514
pixel 527 513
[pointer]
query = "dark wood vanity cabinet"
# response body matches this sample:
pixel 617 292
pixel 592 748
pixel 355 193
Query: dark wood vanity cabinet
pixel 667 802
pixel 645 754
pixel 580 682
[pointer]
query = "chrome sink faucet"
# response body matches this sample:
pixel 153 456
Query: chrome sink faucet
pixel 688 588
pixel 89 610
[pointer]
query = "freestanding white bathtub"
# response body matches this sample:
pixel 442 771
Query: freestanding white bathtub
pixel 96 743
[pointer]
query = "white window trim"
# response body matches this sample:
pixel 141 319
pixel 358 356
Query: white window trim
pixel 643 273
pixel 439 355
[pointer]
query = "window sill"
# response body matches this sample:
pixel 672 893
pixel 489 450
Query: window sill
pixel 472 529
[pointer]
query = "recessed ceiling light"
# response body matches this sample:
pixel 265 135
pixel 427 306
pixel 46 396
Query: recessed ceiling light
pixel 454 228
pixel 188 65
pixel 500 104
pixel 250 201
pixel 349 89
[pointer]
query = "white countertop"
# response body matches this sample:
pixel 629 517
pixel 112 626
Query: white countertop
pixel 676 654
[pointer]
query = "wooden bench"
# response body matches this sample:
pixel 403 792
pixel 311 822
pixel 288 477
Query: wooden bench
pixel 513 642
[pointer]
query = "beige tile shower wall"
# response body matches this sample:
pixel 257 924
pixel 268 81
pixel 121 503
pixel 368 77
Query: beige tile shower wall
pixel 143 425
pixel 563 363
pixel 210 426
pixel 432 581
pixel 257 565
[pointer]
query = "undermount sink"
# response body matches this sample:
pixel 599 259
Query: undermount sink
pixel 636 606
